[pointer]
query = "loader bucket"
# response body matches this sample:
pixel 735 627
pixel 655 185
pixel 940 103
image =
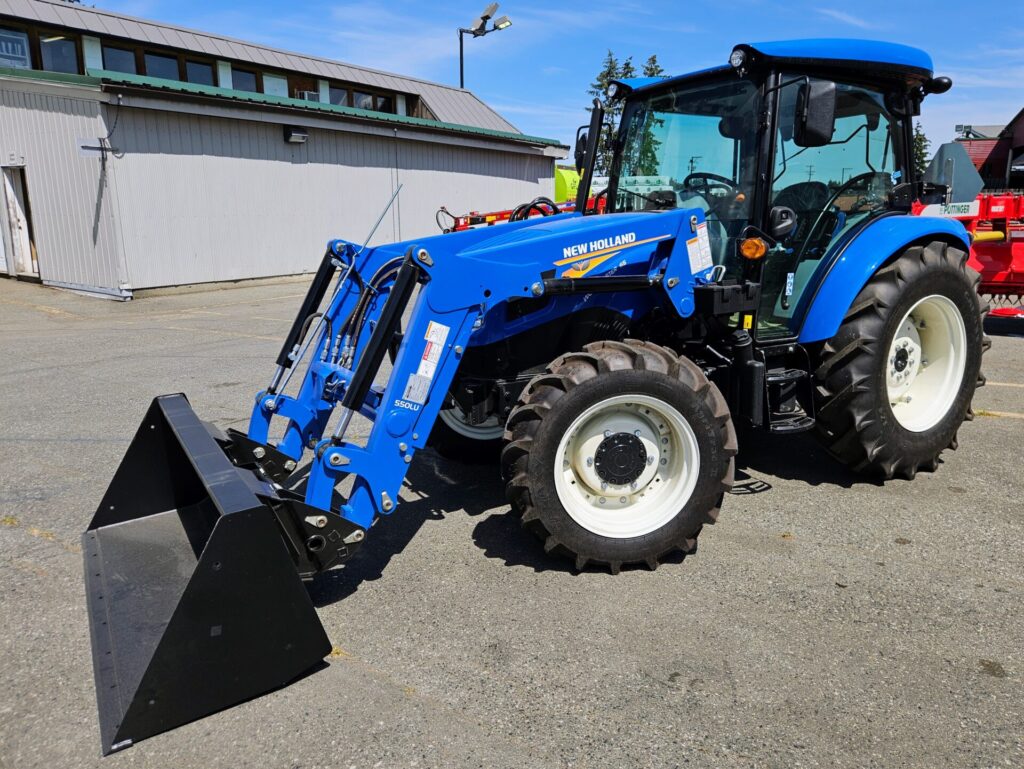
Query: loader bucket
pixel 194 601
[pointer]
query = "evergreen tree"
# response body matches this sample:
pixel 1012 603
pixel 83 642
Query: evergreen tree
pixel 652 68
pixel 612 69
pixel 920 152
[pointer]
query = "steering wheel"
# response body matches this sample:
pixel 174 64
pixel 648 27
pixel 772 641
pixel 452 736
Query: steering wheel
pixel 709 181
pixel 851 182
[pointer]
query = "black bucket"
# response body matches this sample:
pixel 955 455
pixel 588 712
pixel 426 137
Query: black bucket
pixel 194 600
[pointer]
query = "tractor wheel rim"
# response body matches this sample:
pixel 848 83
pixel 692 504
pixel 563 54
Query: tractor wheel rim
pixel 926 363
pixel 457 420
pixel 657 459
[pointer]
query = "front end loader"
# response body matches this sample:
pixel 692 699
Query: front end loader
pixel 600 359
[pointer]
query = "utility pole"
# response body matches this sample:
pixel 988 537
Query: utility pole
pixel 810 172
pixel 693 162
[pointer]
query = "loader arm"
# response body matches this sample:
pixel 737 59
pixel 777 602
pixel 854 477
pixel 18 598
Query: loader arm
pixel 458 293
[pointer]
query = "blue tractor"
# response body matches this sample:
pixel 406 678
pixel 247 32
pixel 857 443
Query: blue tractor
pixel 756 266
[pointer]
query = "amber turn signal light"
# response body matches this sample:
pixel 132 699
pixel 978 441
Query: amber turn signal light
pixel 753 248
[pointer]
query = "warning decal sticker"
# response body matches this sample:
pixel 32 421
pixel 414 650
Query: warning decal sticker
pixel 698 248
pixel 418 386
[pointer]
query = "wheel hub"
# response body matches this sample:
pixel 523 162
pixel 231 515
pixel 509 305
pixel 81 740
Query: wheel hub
pixel 901 359
pixel 926 363
pixel 620 459
pixel 626 465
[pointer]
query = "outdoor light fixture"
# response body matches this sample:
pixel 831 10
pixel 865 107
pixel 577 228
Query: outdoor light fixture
pixel 478 29
pixel 295 135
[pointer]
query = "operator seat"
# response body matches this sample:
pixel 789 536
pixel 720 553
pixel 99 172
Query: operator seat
pixel 807 199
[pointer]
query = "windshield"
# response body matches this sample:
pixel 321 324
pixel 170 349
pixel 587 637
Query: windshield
pixel 692 147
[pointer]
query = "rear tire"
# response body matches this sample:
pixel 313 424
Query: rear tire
pixel 619 455
pixel 895 383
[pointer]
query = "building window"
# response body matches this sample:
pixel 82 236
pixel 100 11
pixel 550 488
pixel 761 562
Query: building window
pixel 362 100
pixel 385 104
pixel 199 72
pixel 339 96
pixel 244 80
pixel 119 59
pixel 59 53
pixel 14 50
pixel 159 65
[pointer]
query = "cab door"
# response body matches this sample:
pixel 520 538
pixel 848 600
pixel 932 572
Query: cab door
pixel 831 189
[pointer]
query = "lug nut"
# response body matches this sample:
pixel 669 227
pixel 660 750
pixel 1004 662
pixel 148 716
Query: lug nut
pixel 590 461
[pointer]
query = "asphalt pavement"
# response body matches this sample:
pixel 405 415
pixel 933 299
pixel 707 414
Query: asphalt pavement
pixel 826 621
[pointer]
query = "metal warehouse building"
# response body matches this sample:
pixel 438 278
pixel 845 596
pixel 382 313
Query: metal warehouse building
pixel 139 155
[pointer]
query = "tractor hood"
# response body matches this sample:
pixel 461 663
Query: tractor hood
pixel 555 239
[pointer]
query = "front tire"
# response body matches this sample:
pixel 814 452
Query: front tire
pixel 454 437
pixel 619 454
pixel 895 383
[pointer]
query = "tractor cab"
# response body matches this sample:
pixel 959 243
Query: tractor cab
pixel 791 150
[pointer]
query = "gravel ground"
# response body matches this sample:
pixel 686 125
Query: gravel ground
pixel 826 621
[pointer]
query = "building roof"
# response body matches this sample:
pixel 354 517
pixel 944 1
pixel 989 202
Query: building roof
pixel 449 104
pixel 984 131
pixel 118 81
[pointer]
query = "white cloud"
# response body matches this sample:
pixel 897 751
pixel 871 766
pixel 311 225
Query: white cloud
pixel 845 18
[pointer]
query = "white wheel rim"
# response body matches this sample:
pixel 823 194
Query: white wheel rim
pixel 662 489
pixel 489 430
pixel 926 363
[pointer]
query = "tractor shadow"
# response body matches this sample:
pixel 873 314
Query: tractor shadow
pixel 792 458
pixel 434 488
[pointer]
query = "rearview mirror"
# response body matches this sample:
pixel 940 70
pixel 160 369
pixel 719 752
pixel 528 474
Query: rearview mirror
pixel 815 113
pixel 580 153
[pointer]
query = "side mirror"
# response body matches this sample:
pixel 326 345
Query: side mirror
pixel 580 152
pixel 815 113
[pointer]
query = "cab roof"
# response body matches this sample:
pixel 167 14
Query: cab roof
pixel 872 57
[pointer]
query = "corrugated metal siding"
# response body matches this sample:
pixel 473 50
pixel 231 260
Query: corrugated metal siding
pixel 449 104
pixel 208 199
pixel 69 195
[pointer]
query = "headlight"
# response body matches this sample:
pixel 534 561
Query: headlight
pixel 737 57
pixel 612 90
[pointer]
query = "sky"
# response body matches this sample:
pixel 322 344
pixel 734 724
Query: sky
pixel 536 73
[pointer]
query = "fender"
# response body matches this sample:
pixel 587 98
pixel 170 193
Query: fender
pixel 851 266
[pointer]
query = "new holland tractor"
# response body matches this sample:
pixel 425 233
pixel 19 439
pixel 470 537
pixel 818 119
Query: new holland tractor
pixel 757 264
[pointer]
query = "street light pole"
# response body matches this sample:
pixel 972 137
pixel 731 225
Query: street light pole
pixel 462 73
pixel 479 29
